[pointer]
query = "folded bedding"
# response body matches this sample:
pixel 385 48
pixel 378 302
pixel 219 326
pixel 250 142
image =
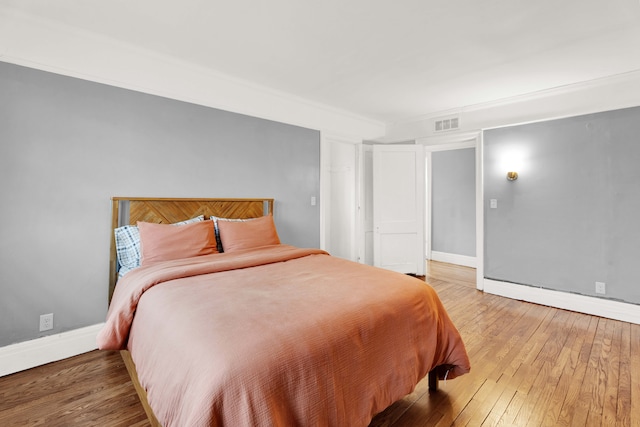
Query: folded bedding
pixel 278 336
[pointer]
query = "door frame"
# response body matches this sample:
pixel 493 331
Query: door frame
pixel 456 142
pixel 365 214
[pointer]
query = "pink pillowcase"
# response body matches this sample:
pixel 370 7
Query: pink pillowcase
pixel 238 235
pixel 164 242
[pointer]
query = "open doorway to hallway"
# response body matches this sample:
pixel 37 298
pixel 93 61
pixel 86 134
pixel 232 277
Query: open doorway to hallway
pixel 451 203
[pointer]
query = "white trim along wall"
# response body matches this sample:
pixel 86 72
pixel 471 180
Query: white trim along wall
pixel 464 260
pixel 574 302
pixel 29 354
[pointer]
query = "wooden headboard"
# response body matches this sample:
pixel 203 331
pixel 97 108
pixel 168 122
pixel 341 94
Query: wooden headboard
pixel 130 210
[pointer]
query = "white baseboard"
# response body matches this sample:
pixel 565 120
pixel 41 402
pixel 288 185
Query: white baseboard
pixel 29 354
pixel 616 310
pixel 467 261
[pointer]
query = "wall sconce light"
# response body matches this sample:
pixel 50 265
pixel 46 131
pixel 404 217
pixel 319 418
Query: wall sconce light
pixel 512 159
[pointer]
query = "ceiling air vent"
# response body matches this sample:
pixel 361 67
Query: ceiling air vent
pixel 451 123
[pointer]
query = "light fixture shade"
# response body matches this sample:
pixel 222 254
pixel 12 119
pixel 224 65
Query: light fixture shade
pixel 512 176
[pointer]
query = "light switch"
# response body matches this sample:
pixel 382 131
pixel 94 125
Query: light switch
pixel 313 200
pixel 494 203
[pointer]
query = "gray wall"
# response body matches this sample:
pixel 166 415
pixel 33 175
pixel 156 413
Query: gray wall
pixel 453 201
pixel 573 216
pixel 68 145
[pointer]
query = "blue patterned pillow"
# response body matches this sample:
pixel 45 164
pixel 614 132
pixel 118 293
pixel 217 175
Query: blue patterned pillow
pixel 127 248
pixel 128 245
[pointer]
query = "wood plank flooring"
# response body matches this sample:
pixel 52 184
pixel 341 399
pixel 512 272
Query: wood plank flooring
pixel 531 366
pixel 92 389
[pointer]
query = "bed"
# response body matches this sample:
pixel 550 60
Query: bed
pixel 229 326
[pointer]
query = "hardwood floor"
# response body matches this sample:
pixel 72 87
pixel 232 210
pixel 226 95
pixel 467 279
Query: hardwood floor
pixel 92 389
pixel 531 366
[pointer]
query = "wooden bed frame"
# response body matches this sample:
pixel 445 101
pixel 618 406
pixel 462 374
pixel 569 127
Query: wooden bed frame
pixel 130 210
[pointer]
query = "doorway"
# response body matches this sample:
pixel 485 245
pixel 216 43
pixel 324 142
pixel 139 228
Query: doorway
pixel 468 140
pixel 451 205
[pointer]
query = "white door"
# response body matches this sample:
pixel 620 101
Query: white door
pixel 339 197
pixel 399 208
pixel 342 173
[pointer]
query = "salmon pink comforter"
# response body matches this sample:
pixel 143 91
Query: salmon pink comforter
pixel 278 336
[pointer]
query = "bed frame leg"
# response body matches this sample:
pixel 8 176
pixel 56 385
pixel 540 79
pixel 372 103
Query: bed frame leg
pixel 441 371
pixel 433 380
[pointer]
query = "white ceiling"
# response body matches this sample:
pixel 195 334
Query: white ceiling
pixel 390 61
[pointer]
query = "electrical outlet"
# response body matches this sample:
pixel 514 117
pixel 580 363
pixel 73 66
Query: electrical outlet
pixel 46 322
pixel 600 288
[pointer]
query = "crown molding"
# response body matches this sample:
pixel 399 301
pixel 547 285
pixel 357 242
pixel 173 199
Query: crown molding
pixel 85 55
pixel 602 82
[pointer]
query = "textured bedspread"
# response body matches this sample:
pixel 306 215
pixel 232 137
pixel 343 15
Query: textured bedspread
pixel 278 336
